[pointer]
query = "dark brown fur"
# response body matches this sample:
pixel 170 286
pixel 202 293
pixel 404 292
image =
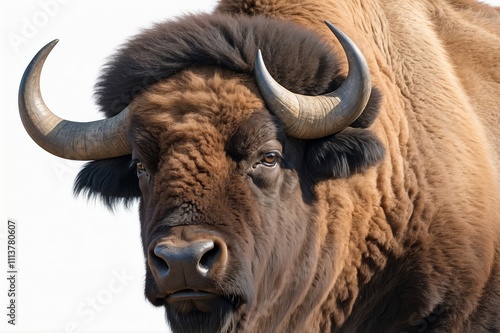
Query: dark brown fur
pixel 221 41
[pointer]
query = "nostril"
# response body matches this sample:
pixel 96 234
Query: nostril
pixel 158 263
pixel 208 259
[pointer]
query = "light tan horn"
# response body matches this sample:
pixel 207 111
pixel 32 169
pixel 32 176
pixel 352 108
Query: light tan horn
pixel 94 140
pixel 309 117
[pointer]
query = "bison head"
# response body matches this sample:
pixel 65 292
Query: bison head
pixel 223 159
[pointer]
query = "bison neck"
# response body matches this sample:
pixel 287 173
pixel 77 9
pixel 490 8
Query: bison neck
pixel 385 238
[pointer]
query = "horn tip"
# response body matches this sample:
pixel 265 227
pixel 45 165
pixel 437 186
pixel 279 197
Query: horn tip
pixel 259 60
pixel 51 44
pixel 333 28
pixel 258 54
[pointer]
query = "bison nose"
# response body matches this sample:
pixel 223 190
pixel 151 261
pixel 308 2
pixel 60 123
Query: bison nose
pixel 178 265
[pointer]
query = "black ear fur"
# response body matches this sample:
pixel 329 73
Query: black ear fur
pixel 114 180
pixel 343 154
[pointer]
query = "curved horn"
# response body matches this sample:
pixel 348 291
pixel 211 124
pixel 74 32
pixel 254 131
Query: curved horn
pixel 72 140
pixel 309 117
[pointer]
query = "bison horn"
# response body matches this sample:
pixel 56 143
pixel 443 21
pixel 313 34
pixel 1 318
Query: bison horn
pixel 309 117
pixel 72 140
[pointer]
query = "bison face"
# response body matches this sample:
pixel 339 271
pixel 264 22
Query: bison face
pixel 227 198
pixel 222 204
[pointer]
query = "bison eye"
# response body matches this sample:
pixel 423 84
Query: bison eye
pixel 140 168
pixel 270 158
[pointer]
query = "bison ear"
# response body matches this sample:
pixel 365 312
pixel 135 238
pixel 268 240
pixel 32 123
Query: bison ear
pixel 343 154
pixel 113 180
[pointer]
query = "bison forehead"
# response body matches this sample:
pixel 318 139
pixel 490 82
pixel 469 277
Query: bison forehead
pixel 182 127
pixel 203 95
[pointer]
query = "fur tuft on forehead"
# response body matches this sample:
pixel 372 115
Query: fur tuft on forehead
pixel 297 58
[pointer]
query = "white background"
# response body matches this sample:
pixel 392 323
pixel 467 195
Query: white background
pixel 81 267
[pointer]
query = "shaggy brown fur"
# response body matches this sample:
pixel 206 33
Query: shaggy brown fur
pixel 438 200
pixel 409 242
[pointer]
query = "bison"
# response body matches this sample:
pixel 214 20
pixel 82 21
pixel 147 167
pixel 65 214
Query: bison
pixel 297 176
